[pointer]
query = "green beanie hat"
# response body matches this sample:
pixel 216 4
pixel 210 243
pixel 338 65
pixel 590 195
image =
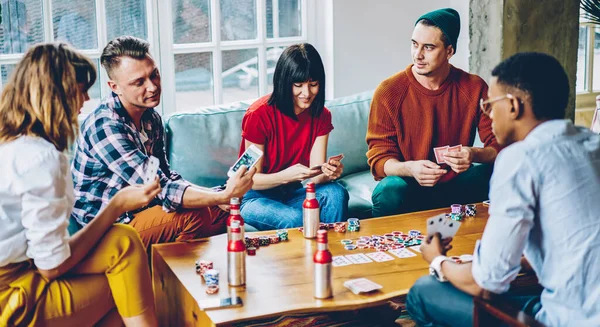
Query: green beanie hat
pixel 447 20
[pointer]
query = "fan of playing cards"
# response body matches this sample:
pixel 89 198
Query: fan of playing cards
pixel 440 224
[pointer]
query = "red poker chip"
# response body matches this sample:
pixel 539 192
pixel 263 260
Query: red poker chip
pixel 251 250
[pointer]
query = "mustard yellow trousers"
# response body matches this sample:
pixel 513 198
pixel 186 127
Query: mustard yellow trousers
pixel 113 278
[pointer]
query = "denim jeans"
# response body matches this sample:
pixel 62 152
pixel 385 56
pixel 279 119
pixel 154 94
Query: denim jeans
pixel 281 207
pixel 396 195
pixel 431 303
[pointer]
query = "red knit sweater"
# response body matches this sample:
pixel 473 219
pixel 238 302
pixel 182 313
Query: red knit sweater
pixel 408 120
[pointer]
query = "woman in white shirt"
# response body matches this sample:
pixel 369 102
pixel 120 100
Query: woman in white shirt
pixel 98 276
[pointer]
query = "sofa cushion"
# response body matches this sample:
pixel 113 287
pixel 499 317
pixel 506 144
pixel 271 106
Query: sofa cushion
pixel 350 116
pixel 360 186
pixel 202 145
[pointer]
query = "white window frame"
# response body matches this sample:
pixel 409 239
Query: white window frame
pixel 216 47
pixel 160 36
pixel 587 97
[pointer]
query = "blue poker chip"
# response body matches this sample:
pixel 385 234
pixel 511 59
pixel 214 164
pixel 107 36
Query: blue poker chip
pixel 350 247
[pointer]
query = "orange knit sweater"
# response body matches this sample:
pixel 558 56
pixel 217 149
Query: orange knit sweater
pixel 408 120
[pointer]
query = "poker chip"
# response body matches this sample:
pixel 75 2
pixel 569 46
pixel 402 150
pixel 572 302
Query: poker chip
pixel 456 216
pixel 251 250
pixel 264 240
pixel 339 227
pixel 350 247
pixel 323 226
pixel 396 233
pixel 470 210
pixel 456 208
pixel 300 229
pixel 273 239
pixel 212 289
pixel 283 235
pixel 414 233
pixel 203 265
pixel 353 221
pixel 330 225
pixel 211 277
pixel 346 241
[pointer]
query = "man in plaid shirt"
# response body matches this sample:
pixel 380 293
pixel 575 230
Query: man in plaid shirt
pixel 114 147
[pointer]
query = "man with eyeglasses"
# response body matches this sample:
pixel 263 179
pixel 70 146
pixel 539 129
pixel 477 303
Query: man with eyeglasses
pixel 544 213
pixel 430 104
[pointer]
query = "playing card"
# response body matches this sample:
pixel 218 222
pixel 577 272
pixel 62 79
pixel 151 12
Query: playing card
pixel 449 228
pixel 434 224
pixel 456 148
pixel 338 157
pixel 439 154
pixel 358 258
pixel 402 253
pixel 361 285
pixel 340 260
pixel 151 169
pixel 380 256
pixel 416 248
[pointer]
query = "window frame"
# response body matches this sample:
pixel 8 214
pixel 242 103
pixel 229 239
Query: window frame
pixel 587 97
pixel 160 36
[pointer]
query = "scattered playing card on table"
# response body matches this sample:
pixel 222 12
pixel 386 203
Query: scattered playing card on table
pixel 340 260
pixel 402 253
pixel 358 258
pixel 361 285
pixel 416 248
pixel 380 256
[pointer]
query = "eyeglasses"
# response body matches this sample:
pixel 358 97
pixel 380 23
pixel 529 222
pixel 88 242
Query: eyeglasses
pixel 485 105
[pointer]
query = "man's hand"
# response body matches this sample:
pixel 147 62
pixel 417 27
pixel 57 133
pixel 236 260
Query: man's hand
pixel 136 196
pixel 300 172
pixel 434 246
pixel 426 172
pixel 333 169
pixel 459 161
pixel 240 183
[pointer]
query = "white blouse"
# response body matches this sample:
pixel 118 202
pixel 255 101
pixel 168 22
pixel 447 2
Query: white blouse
pixel 36 199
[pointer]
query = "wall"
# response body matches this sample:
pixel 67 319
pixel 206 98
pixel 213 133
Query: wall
pixel 549 26
pixel 371 40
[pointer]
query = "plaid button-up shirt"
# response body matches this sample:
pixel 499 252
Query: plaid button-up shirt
pixel 110 155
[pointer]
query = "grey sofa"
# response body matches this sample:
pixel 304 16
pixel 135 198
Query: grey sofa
pixel 203 144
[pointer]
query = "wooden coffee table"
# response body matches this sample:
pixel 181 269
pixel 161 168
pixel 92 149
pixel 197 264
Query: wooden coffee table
pixel 280 276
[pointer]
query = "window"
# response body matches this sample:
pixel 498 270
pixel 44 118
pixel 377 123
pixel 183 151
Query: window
pixel 208 51
pixel 226 50
pixel 588 65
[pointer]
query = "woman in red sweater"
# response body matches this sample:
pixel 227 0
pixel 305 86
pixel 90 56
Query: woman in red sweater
pixel 291 126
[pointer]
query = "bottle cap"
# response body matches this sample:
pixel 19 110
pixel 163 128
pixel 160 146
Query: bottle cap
pixel 310 187
pixel 321 236
pixel 234 201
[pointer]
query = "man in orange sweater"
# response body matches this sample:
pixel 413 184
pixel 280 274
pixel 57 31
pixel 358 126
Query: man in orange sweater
pixel 430 104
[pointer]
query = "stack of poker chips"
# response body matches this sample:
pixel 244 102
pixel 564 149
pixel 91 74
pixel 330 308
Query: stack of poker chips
pixel 273 239
pixel 340 227
pixel 264 240
pixel 283 234
pixel 348 245
pixel 253 242
pixel 456 213
pixel 211 277
pixel 353 225
pixel 202 266
pixel 470 210
pixel 251 250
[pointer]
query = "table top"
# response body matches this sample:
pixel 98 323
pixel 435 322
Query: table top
pixel 279 278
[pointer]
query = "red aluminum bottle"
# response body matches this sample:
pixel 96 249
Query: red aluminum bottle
pixel 322 260
pixel 236 257
pixel 234 215
pixel 310 212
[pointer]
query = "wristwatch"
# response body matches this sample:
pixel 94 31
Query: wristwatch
pixel 435 268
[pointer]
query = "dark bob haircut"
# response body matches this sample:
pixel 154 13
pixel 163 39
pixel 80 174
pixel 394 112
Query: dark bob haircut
pixel 298 63
pixel 542 77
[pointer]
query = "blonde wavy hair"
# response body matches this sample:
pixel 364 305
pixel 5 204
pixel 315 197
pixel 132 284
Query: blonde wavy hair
pixel 44 94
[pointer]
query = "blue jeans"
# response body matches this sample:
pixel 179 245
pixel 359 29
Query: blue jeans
pixel 431 303
pixel 281 207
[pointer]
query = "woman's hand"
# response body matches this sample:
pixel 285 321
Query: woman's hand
pixel 333 169
pixel 300 172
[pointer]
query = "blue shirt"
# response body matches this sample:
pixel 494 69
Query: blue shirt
pixel 545 204
pixel 110 154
